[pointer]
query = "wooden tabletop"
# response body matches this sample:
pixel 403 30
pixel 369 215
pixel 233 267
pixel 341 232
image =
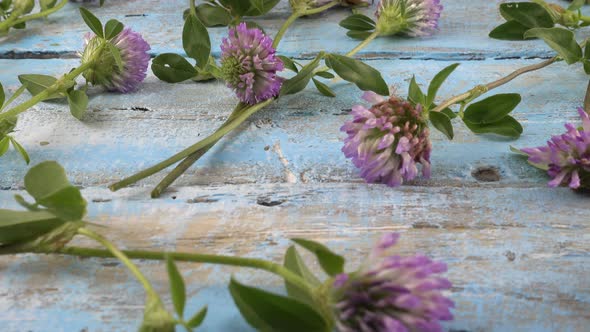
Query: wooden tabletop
pixel 518 252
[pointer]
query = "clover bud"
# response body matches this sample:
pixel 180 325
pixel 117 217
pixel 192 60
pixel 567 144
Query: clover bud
pixel 156 318
pixel 24 6
pixel 413 18
pixel 249 64
pixel 105 71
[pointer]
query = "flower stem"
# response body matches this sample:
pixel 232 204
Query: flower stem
pixel 15 95
pixel 320 9
pixel 284 28
pixel 191 149
pixel 9 22
pixel 200 148
pixel 355 50
pixel 6 24
pixel 113 251
pixel 587 99
pixel 195 258
pixel 56 87
pixel 364 43
pixel 297 14
pixel 481 89
pixel 190 160
pixel 193 9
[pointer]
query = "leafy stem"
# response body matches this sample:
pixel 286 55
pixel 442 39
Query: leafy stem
pixel 193 9
pixel 481 89
pixel 245 114
pixel 190 160
pixel 253 263
pixel 297 14
pixel 113 251
pixel 56 87
pixel 356 49
pixel 15 20
pixel 587 99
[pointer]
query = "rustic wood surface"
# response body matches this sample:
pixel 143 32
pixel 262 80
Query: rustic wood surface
pixel 518 252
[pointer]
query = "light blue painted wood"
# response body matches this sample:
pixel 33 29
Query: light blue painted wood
pixel 464 27
pixel 518 252
pixel 515 265
pixel 115 140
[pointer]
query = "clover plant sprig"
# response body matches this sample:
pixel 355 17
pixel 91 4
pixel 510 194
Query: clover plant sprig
pixel 115 58
pixel 412 285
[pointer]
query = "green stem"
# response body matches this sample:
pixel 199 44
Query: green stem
pixel 320 9
pixel 195 258
pixel 587 99
pixel 193 158
pixel 191 149
pixel 190 160
pixel 585 19
pixel 199 149
pixel 113 251
pixel 481 89
pixel 193 9
pixel 297 14
pixel 41 14
pixel 56 87
pixel 9 22
pixel 15 95
pixel 283 29
pixel 355 50
pixel 364 43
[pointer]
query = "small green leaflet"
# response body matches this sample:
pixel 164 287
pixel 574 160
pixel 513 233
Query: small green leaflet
pixel 112 29
pixel 364 76
pixel 561 40
pixel 92 22
pixel 295 264
pixel 437 82
pixel 301 79
pixel 323 89
pixel 177 287
pixel 78 101
pixel 442 123
pixel 20 150
pixel 36 84
pixel 358 22
pixel 330 262
pixel 529 14
pixel 2 96
pixel 195 40
pixel 173 68
pixel 266 311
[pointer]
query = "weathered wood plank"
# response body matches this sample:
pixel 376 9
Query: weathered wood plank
pixel 515 264
pixel 124 133
pixel 464 26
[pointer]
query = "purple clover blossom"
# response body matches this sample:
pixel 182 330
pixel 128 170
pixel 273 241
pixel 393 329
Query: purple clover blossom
pixel 392 293
pixel 388 140
pixel 414 18
pixel 134 55
pixel 567 156
pixel 249 65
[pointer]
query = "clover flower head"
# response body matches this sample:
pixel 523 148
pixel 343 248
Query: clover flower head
pixel 392 293
pixel 249 64
pixel 135 58
pixel 413 18
pixel 566 156
pixel 388 140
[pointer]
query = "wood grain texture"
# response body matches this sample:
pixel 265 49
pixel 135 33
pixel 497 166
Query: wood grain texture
pixel 515 265
pixel 518 252
pixel 464 29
